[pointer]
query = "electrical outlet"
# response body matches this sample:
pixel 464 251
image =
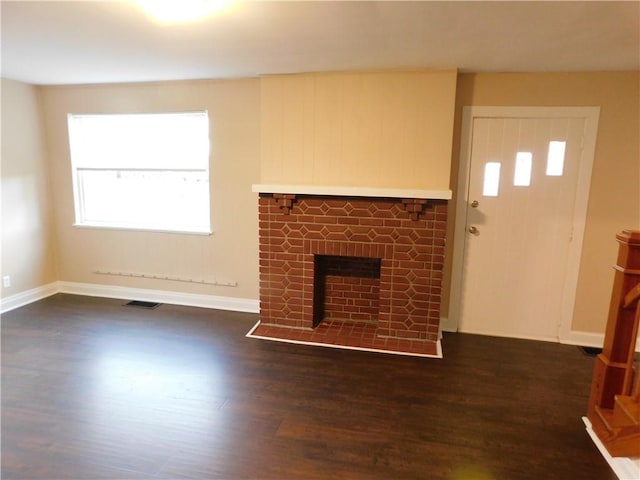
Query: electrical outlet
pixel 6 281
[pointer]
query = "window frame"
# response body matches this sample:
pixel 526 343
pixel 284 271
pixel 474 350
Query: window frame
pixel 80 216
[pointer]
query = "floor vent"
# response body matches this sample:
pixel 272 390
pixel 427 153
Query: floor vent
pixel 591 351
pixel 141 304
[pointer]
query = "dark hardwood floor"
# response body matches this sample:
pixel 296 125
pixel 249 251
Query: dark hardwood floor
pixel 95 390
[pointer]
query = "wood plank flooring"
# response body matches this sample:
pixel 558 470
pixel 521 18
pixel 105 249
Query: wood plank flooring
pixel 95 390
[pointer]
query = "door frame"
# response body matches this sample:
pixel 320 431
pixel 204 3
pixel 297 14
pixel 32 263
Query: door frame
pixel 469 114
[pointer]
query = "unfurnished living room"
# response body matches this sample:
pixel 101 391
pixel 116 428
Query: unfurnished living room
pixel 320 239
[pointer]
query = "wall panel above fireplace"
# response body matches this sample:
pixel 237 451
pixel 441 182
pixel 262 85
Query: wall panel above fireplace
pixel 389 130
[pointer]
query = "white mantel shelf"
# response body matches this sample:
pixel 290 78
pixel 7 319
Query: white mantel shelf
pixel 353 191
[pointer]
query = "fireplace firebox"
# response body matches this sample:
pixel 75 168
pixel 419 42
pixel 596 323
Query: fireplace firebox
pixel 346 288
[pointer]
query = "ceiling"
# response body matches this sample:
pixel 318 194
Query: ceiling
pixel 73 42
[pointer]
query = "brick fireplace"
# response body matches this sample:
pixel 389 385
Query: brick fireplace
pixel 359 271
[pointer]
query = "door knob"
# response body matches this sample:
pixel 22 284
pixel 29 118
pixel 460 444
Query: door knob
pixel 474 230
pixel 475 204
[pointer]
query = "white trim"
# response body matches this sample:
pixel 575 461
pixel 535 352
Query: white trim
pixel 246 305
pixel 591 116
pixel 455 293
pixel 583 339
pixel 588 339
pixel 574 337
pixel 625 468
pixel 124 228
pixel 497 333
pixel 250 334
pixel 28 296
pixel 162 296
pixel 353 191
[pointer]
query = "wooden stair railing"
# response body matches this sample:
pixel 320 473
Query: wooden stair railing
pixel 614 402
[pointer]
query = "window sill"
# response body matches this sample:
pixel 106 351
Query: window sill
pixel 143 229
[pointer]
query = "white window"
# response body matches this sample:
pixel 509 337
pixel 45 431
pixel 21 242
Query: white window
pixel 491 182
pixel 522 175
pixel 555 159
pixel 141 171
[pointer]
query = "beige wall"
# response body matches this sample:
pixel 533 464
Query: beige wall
pixel 614 200
pixel 374 129
pixel 27 247
pixel 230 254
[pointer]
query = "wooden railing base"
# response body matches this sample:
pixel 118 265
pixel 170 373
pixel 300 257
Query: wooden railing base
pixel 614 403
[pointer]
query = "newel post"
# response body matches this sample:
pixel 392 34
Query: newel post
pixel 613 406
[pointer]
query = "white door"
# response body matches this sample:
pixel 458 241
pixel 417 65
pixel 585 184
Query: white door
pixel 520 222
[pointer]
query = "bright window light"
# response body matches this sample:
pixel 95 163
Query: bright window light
pixel 555 159
pixel 522 176
pixel 491 179
pixel 141 171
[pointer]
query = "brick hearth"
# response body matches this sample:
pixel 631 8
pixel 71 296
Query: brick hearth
pixel 331 265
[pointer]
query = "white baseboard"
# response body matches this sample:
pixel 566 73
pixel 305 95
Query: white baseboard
pixel 28 296
pixel 573 337
pixel 162 296
pixel 498 333
pixel 112 291
pixel 584 339
pixel 588 339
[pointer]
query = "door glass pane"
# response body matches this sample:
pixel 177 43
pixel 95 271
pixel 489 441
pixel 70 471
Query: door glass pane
pixel 555 160
pixel 491 179
pixel 522 176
